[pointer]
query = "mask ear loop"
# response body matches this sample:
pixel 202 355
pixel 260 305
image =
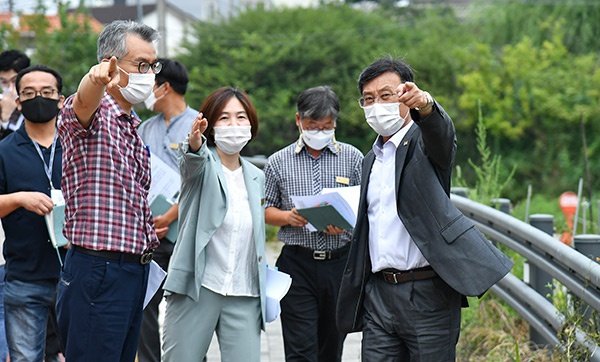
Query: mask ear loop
pixel 300 142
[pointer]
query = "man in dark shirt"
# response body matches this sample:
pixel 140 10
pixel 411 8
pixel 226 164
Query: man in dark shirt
pixel 30 181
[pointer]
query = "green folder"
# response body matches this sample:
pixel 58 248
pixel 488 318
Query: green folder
pixel 159 206
pixel 321 216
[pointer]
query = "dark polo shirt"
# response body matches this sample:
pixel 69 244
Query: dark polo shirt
pixel 28 252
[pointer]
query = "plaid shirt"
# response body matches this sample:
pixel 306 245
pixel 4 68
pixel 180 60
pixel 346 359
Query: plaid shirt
pixel 106 177
pixel 290 173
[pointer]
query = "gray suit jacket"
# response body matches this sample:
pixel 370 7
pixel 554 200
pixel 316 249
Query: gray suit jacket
pixel 202 208
pixel 456 250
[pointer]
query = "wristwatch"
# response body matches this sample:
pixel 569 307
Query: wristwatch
pixel 428 105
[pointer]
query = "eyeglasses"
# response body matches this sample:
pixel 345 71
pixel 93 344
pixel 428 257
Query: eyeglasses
pixel 30 93
pixel 314 128
pixel 382 98
pixel 143 66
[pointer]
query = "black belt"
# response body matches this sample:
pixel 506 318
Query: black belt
pixel 319 254
pixel 116 255
pixel 394 276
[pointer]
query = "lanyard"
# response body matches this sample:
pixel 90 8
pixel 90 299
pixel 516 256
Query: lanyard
pixel 47 168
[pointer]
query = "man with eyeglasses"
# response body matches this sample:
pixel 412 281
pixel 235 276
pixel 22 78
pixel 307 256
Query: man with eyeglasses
pixel 106 178
pixel 414 257
pixel 30 186
pixel 314 260
pixel 11 62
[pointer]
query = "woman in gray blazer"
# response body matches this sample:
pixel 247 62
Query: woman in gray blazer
pixel 216 278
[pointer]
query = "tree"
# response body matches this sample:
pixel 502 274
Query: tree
pixel 533 98
pixel 71 49
pixel 275 54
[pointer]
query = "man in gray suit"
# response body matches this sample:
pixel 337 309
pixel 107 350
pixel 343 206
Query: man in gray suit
pixel 414 256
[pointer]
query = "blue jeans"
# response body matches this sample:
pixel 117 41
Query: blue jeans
pixel 3 344
pixel 27 306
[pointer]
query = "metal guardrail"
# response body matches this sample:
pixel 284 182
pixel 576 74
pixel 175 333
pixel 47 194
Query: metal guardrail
pixel 578 273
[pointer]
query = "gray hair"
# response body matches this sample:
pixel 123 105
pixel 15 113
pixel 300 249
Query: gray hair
pixel 111 41
pixel 318 103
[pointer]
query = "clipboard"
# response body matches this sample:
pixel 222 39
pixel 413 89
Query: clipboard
pixel 55 221
pixel 159 206
pixel 321 216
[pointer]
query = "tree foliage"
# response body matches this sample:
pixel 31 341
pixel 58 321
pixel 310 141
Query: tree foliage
pixel 70 49
pixel 532 65
pixel 275 54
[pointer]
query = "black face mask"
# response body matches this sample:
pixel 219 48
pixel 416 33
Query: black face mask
pixel 39 109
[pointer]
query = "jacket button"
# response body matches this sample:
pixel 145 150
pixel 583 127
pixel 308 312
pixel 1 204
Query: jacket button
pixel 260 258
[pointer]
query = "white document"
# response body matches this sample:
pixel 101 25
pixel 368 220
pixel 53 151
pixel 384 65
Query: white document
pixel 165 180
pixel 346 205
pixel 278 284
pixel 155 279
pixel 351 194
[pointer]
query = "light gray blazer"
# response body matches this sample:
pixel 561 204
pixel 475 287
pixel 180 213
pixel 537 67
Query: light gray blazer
pixel 457 251
pixel 202 208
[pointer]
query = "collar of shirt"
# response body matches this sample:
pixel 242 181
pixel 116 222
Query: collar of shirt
pixel 395 139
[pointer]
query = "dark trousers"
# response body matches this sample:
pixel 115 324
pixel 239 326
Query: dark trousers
pixel 53 345
pixel 149 343
pixel 99 307
pixel 416 321
pixel 308 309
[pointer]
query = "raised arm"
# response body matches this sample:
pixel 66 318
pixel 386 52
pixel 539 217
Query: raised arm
pixel 91 89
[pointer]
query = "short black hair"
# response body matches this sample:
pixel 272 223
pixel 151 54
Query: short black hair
pixel 385 65
pixel 40 68
pixel 13 60
pixel 173 72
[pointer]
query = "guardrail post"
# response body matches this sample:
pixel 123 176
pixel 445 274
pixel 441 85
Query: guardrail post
pixel 588 245
pixel 538 279
pixel 501 204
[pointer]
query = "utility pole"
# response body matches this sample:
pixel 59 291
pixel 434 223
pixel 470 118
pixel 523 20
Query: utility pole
pixel 140 12
pixel 161 10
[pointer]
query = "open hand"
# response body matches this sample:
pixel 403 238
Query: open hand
pixel 198 127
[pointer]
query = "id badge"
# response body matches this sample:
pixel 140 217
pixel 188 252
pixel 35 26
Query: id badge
pixel 57 197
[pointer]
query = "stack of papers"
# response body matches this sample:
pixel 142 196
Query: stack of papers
pixel 278 284
pixel 334 206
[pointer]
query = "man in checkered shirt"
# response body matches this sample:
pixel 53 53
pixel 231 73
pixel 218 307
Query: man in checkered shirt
pixel 106 179
pixel 314 260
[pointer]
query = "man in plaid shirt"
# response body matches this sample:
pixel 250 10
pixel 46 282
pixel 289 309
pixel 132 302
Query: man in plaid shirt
pixel 314 260
pixel 106 178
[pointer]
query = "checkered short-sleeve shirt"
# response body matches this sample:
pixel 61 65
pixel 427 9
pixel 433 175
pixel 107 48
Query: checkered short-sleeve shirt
pixel 106 178
pixel 290 173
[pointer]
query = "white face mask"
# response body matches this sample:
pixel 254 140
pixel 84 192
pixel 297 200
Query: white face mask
pixel 139 87
pixel 151 100
pixel 231 139
pixel 317 140
pixel 385 118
